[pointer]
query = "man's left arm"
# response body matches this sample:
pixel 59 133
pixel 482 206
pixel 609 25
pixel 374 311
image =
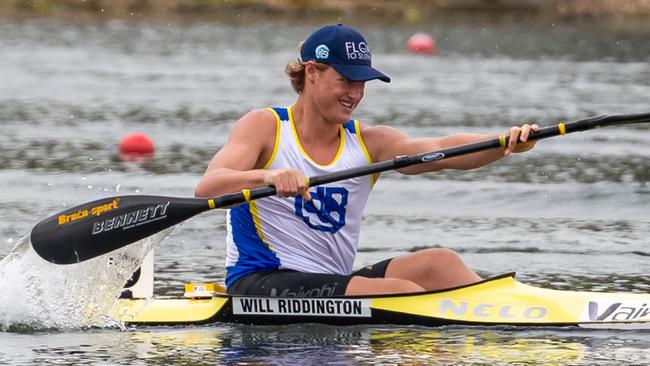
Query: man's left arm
pixel 385 143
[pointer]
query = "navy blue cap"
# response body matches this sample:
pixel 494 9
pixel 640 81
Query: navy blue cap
pixel 344 49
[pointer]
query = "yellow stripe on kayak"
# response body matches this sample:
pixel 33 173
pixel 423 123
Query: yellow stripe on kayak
pixel 167 310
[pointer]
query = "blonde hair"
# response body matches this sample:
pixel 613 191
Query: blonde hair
pixel 296 72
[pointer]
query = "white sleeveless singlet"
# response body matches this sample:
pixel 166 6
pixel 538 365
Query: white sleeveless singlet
pixel 317 236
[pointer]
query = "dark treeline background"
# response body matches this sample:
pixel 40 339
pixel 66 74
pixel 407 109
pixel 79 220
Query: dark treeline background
pixel 399 10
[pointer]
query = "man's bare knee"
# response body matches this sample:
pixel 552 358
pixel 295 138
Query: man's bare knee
pixel 442 255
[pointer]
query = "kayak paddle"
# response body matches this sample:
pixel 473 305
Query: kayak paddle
pixel 98 227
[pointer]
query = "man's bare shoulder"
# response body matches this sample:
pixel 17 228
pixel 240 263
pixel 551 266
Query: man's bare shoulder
pixel 376 130
pixel 257 120
pixel 254 133
pixel 380 140
pixel 379 134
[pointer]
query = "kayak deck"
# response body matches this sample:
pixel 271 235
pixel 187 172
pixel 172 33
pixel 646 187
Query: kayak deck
pixel 499 300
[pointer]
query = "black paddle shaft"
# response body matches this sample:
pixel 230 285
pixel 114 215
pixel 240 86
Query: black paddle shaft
pixel 95 228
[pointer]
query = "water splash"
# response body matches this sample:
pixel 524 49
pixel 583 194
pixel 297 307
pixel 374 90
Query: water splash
pixel 41 295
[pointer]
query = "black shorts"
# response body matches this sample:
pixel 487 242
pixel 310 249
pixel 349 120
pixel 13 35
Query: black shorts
pixel 288 283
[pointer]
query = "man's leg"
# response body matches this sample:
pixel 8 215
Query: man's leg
pixel 432 269
pixel 425 270
pixel 378 286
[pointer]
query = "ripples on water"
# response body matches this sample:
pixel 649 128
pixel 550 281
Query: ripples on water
pixel 572 214
pixel 312 344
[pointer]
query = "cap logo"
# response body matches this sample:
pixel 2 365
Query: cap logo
pixel 357 50
pixel 322 52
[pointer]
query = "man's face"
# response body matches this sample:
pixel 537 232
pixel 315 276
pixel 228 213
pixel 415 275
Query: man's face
pixel 336 96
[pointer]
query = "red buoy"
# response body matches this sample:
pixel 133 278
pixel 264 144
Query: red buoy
pixel 136 144
pixel 421 43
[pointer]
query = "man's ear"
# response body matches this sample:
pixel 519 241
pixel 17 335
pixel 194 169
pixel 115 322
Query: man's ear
pixel 310 72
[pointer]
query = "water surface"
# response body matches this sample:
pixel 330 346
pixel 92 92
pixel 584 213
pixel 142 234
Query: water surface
pixel 572 214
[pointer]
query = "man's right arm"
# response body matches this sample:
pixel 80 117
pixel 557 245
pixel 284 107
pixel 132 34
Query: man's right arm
pixel 240 162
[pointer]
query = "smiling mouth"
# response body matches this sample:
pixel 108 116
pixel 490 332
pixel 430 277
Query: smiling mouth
pixel 346 104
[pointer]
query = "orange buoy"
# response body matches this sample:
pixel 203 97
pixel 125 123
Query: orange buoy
pixel 421 43
pixel 136 144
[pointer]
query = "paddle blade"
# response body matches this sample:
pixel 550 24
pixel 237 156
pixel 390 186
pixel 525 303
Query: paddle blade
pixel 95 228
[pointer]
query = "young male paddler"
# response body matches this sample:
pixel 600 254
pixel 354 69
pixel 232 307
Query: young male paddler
pixel 303 241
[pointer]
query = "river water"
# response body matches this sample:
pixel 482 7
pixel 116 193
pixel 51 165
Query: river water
pixel 574 213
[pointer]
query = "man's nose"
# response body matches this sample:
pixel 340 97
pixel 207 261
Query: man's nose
pixel 356 89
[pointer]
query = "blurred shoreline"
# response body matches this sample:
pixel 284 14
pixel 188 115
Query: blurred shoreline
pixel 415 11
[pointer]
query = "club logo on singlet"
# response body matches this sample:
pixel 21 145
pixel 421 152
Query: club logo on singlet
pixel 326 210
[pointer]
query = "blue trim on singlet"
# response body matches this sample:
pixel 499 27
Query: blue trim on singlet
pixel 349 125
pixel 283 113
pixel 254 254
